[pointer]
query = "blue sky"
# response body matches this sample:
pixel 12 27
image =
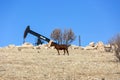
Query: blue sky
pixel 93 20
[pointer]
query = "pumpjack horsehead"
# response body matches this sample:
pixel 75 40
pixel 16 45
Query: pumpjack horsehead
pixel 41 37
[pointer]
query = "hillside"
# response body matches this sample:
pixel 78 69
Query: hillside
pixel 46 64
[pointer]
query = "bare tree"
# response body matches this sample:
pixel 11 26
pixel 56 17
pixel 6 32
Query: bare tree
pixel 115 41
pixel 66 37
pixel 57 35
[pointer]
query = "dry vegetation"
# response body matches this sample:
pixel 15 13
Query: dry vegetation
pixel 42 64
pixel 115 42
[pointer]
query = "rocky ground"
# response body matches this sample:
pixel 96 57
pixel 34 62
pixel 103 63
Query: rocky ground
pixel 17 63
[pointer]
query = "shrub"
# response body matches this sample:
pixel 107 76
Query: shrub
pixel 115 41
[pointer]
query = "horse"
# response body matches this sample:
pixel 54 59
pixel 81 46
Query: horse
pixel 60 47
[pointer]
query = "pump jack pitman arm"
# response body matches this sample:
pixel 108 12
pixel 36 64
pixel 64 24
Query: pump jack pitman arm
pixel 27 30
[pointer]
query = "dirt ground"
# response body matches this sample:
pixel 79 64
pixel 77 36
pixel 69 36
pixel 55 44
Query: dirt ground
pixel 45 64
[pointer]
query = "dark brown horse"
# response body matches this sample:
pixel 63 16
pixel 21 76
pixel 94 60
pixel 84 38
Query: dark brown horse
pixel 60 47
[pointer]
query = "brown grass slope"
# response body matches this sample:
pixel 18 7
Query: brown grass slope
pixel 42 64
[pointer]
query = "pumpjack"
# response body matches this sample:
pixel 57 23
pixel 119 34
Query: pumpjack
pixel 39 36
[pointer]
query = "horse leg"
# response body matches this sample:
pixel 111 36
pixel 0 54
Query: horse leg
pixel 64 52
pixel 58 52
pixel 67 51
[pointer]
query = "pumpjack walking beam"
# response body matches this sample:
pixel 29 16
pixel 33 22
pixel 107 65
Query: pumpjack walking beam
pixel 27 30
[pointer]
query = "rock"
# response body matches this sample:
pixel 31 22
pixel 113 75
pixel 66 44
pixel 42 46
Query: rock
pixel 74 47
pixel 44 46
pixel 100 46
pixel 89 48
pixel 11 46
pixel 108 48
pixel 108 45
pixel 27 45
pixel 92 44
pixel 37 47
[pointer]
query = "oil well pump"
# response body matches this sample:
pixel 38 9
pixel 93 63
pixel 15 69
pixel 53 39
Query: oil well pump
pixel 39 36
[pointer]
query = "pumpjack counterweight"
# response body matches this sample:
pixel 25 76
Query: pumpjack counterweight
pixel 39 36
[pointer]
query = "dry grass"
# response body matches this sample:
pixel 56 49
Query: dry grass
pixel 31 64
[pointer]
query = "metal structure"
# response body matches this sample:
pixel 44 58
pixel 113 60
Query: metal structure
pixel 39 36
